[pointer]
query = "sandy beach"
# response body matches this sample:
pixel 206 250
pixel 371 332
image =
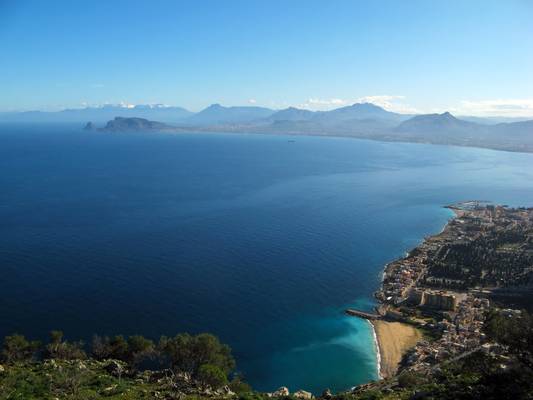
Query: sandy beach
pixel 394 339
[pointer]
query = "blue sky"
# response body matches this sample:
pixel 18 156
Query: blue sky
pixel 470 57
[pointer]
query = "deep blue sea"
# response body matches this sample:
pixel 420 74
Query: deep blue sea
pixel 262 240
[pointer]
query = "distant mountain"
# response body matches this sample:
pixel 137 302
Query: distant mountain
pixel 491 120
pixel 522 128
pixel 292 114
pixel 359 118
pixel 435 122
pixel 447 129
pixel 216 114
pixel 359 111
pixel 100 114
pixel 120 124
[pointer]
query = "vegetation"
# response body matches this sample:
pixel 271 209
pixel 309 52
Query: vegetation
pixel 198 367
pixel 184 366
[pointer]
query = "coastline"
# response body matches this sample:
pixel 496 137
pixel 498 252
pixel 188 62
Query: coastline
pixel 377 349
pixel 373 138
pixel 393 339
pixel 390 348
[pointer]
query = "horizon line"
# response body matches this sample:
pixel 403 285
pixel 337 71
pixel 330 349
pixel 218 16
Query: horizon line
pixel 158 105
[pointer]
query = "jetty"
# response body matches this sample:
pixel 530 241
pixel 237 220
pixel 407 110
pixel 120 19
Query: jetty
pixel 362 314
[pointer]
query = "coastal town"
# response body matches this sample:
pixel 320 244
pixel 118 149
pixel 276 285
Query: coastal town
pixel 446 286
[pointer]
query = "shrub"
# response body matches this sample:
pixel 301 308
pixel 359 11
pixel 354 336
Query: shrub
pixel 409 379
pixel 239 386
pixel 188 353
pixel 63 350
pixel 17 348
pixel 211 375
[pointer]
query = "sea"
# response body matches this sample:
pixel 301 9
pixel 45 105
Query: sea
pixel 262 240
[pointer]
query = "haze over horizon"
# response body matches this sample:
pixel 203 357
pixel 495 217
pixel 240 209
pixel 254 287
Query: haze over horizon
pixel 469 58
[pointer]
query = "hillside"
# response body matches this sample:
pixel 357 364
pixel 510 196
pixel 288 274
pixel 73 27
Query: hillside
pixel 120 124
pixel 216 114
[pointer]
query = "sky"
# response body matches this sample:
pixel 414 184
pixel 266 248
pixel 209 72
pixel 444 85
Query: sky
pixel 470 57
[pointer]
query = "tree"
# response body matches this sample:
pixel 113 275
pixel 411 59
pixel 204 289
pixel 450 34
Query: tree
pixel 118 348
pixel 238 385
pixel 188 353
pixel 211 375
pixel 408 379
pixel 514 331
pixel 139 348
pixel 104 347
pixel 61 349
pixel 131 350
pixel 17 348
pixel 100 348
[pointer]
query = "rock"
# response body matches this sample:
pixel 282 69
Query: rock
pixel 110 388
pixel 2 369
pixel 184 377
pixel 89 126
pixel 302 394
pixel 281 392
pixel 51 363
pixel 225 391
pixel 326 394
pixel 157 376
pixel 114 368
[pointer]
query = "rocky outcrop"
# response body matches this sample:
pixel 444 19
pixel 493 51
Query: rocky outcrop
pixel 302 394
pixel 115 368
pixel 120 124
pixel 89 126
pixel 281 392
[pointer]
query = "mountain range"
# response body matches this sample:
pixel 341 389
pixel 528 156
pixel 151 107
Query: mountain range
pixel 361 120
pixel 99 114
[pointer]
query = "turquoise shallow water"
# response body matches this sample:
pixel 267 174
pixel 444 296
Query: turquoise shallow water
pixel 258 239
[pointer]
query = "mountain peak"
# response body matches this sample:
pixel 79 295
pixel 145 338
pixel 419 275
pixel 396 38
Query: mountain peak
pixel 359 111
pixel 217 114
pixel 370 106
pixel 447 115
pixel 436 122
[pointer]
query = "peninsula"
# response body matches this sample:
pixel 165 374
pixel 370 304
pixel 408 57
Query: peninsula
pixel 444 287
pixel 121 124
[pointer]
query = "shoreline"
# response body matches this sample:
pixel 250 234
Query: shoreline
pixel 378 350
pixel 390 348
pixel 393 340
pixel 191 130
pixel 372 139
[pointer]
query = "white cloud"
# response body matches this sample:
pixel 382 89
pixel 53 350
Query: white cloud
pixel 322 104
pixel 125 104
pixel 498 107
pixel 252 101
pixel 388 102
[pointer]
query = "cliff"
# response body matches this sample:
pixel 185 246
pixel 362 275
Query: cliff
pixel 121 124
